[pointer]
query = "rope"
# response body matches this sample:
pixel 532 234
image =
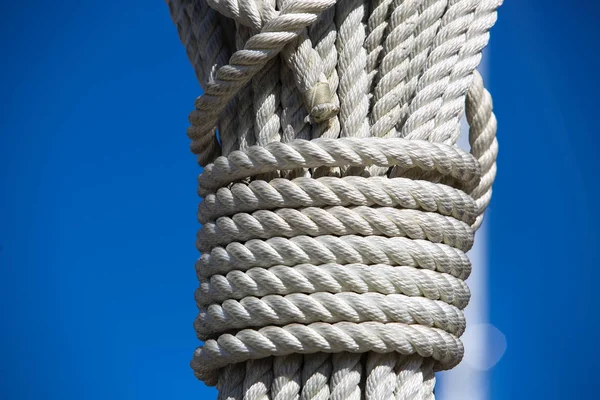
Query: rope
pixel 316 373
pixel 336 208
pixel 258 379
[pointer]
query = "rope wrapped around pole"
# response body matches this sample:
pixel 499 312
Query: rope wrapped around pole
pixel 337 209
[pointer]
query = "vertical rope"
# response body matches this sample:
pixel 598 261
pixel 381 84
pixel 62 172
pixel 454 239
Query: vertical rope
pixel 287 372
pixel 352 63
pixel 293 115
pixel 316 375
pixel 381 377
pixel 394 67
pixel 245 105
pixel 259 379
pixel 415 378
pixel 346 376
pixel 323 34
pixel 426 31
pixel 469 56
pixel 484 145
pixel 376 28
pixel 444 55
pixel 231 381
pixel 266 91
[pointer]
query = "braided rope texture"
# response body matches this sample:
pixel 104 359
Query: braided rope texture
pixel 337 210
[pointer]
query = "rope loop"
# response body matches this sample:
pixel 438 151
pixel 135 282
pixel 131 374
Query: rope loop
pixel 379 265
pixel 439 159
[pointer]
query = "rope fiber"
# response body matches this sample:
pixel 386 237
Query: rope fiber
pixel 337 209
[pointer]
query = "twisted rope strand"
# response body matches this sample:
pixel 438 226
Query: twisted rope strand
pixel 266 90
pixel 376 27
pixel 293 115
pixel 334 278
pixel 332 191
pixel 327 307
pixel 346 377
pixel 436 77
pixel 484 146
pixel 425 32
pixel 246 12
pixel 331 249
pixel 258 380
pixel 414 378
pixel 381 378
pixel 231 380
pixel 244 112
pixel 287 372
pixel 351 68
pixel 393 68
pixel 316 373
pixel 323 34
pixel 313 221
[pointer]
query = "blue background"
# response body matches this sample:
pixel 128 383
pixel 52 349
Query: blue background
pixel 97 201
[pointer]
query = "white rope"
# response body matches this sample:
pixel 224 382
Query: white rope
pixel 335 278
pixel 294 121
pixel 316 373
pixel 231 380
pixel 258 379
pixel 414 378
pixel 313 221
pixel 334 268
pixel 266 89
pixel 331 249
pixel 323 34
pixel 484 146
pixel 352 63
pixel 381 378
pixel 409 33
pixel 327 307
pixel 287 372
pixel 443 159
pixel 346 376
pixel 330 191
pixel 243 65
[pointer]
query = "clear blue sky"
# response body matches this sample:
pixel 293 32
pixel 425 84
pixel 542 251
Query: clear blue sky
pixel 97 202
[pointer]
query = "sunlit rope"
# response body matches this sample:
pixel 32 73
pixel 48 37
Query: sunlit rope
pixel 336 208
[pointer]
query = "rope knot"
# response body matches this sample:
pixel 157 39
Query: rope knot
pixel 319 102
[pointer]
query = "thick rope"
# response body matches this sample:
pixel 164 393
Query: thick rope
pixel 323 34
pixel 258 379
pixel 352 63
pixel 231 380
pixel 316 373
pixel 484 146
pixel 334 268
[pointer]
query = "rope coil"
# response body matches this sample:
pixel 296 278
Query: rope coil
pixel 359 237
pixel 336 220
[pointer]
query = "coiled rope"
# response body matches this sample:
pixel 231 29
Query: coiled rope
pixel 336 208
